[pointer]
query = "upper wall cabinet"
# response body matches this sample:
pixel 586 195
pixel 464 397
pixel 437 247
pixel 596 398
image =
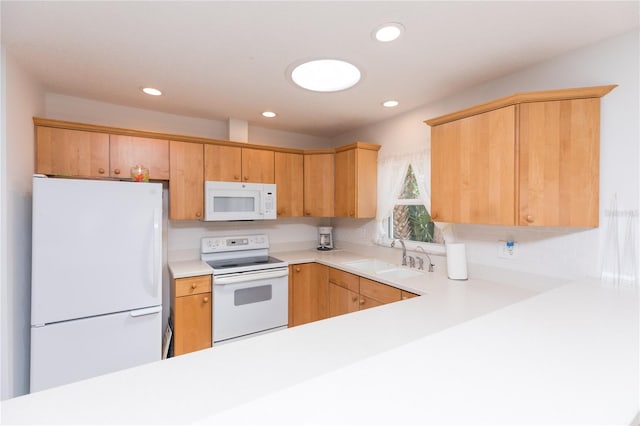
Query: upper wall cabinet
pixel 186 185
pixel 289 176
pixel 81 153
pixel 356 180
pixel 71 152
pixel 127 151
pixel 529 159
pixel 319 183
pixel 235 164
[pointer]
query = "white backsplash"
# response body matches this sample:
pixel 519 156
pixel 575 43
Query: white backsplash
pixel 285 234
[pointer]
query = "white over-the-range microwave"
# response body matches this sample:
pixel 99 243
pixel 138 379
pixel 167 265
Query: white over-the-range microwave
pixel 239 201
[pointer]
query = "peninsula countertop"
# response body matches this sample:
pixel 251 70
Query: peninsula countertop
pixel 475 352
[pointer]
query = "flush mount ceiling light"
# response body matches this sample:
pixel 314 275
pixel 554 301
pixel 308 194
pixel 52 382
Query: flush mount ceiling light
pixel 390 104
pixel 151 91
pixel 388 32
pixel 326 75
pixel 269 114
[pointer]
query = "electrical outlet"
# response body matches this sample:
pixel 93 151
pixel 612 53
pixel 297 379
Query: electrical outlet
pixel 507 249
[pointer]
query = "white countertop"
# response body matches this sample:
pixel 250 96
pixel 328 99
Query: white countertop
pixel 473 352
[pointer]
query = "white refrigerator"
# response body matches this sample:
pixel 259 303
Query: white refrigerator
pixel 96 285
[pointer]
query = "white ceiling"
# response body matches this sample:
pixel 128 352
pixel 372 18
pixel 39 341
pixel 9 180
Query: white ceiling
pixel 218 60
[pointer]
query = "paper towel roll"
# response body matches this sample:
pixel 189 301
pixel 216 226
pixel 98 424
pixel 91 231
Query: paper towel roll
pixel 456 261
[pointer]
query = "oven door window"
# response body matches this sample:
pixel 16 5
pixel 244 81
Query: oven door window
pixel 250 295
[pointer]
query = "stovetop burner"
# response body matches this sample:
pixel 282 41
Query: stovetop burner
pixel 238 254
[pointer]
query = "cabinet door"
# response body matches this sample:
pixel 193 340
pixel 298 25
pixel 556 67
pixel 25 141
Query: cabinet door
pixel 407 295
pixel 345 181
pixel 128 151
pixel 344 279
pixel 342 301
pixel 257 165
pixel 559 163
pixel 380 292
pixel 473 169
pixel 192 323
pixel 309 292
pixel 356 183
pixel 71 152
pixel 222 163
pixel 319 185
pixel 186 186
pixel 288 171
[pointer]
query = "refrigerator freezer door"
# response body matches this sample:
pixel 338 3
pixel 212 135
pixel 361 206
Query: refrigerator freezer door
pixel 74 350
pixel 97 248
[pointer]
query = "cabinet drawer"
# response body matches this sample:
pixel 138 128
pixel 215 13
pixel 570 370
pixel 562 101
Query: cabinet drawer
pixel 378 291
pixel 192 285
pixel 367 302
pixel 407 295
pixel 344 279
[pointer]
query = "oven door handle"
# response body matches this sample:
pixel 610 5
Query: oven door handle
pixel 247 277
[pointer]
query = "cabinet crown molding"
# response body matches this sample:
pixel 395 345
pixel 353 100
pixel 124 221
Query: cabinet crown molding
pixel 524 97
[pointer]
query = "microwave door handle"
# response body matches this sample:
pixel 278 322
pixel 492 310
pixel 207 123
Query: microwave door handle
pixel 243 278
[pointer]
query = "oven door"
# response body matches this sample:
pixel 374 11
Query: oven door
pixel 250 302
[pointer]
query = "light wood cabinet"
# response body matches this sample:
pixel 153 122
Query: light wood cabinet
pixel 71 152
pixel 356 171
pixel 530 159
pixel 319 187
pixel 559 163
pixel 373 293
pixel 128 151
pixel 191 314
pixel 308 293
pixel 235 164
pixel 473 169
pixel 289 175
pixel 186 186
pixel 344 289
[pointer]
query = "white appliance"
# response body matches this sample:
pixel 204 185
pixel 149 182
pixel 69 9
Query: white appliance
pixel 325 238
pixel 96 285
pixel 250 288
pixel 239 201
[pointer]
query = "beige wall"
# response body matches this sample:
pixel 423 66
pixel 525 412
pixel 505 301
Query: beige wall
pixel 22 98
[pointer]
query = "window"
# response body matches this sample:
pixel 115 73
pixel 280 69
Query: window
pixel 410 219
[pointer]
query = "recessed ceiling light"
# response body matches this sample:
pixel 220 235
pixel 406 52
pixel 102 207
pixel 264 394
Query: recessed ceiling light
pixel 390 104
pixel 151 91
pixel 388 32
pixel 326 75
pixel 269 114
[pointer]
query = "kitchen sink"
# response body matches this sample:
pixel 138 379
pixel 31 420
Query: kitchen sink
pixel 399 273
pixel 383 269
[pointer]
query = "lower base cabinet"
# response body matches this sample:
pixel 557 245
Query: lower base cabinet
pixel 308 293
pixel 191 314
pixel 317 292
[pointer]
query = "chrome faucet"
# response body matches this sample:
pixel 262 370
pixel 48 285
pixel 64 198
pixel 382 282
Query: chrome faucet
pixel 404 250
pixel 428 257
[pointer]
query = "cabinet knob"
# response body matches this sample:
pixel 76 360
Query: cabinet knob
pixel 354 299
pixel 530 218
pixel 236 177
pixel 298 269
pixel 246 178
pixel 352 214
pixel 307 213
pixel 198 214
pixel 404 297
pixel 279 212
pixel 434 215
pixel 205 299
pixel 194 285
pixel 101 170
pixel 362 301
pixel 116 171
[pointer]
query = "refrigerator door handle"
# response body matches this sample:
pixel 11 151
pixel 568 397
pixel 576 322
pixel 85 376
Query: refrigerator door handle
pixel 146 311
pixel 157 250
